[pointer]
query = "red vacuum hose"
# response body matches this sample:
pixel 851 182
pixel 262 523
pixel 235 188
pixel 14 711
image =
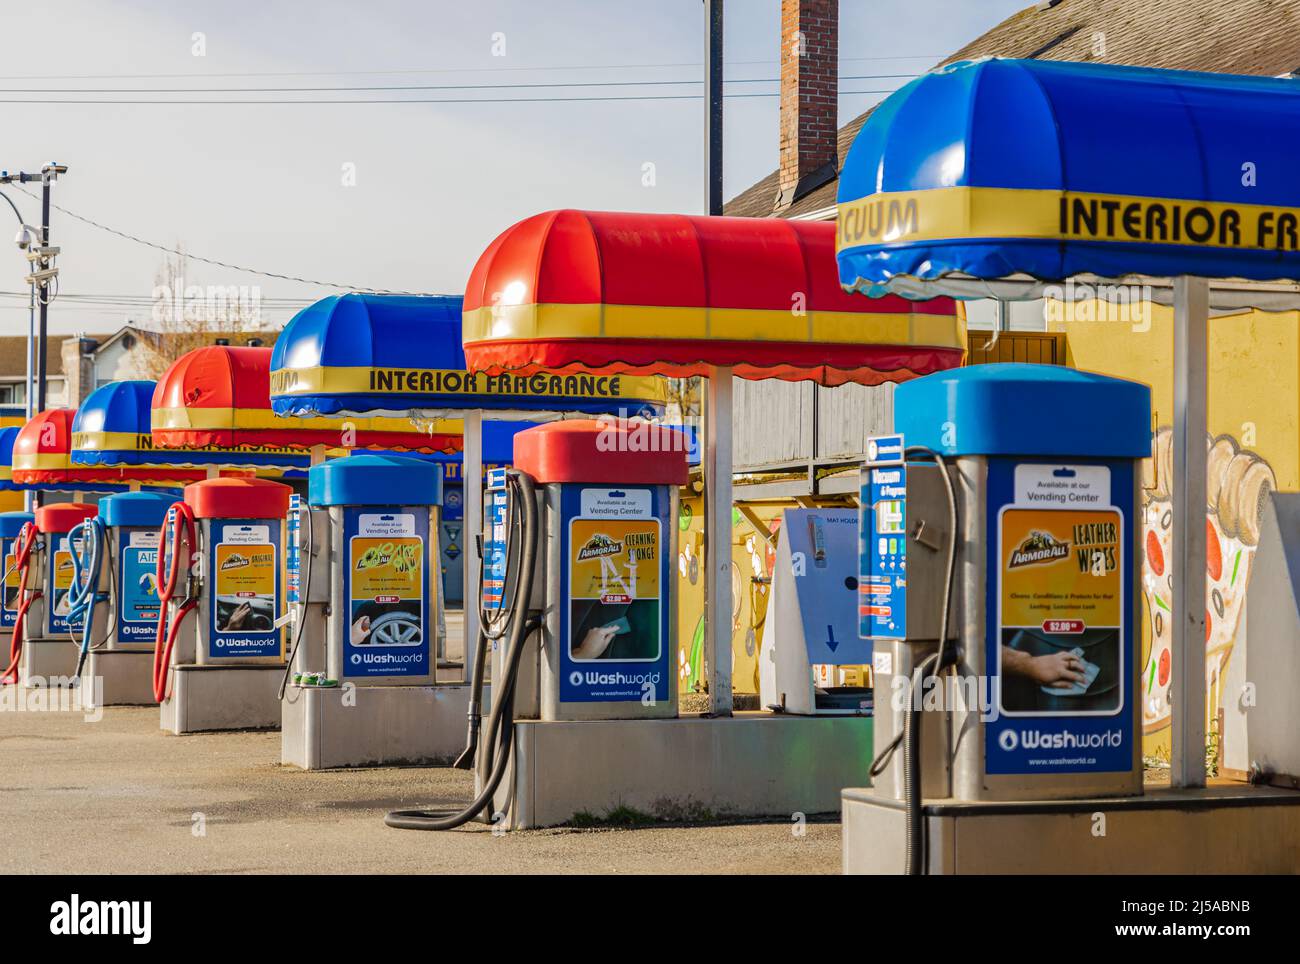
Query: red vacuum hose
pixel 24 544
pixel 181 518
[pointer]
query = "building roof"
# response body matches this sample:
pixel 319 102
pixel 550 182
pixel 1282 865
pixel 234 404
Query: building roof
pixel 13 348
pixel 1226 36
pixel 13 354
pixel 265 337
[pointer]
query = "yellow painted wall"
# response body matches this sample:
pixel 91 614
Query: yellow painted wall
pixel 1254 414
pixel 749 560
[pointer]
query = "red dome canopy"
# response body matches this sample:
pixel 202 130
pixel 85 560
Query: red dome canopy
pixel 220 395
pixel 43 457
pixel 670 294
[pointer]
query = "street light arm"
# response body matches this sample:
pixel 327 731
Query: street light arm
pixel 17 213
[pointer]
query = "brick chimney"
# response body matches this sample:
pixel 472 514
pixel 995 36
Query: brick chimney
pixel 809 96
pixel 76 354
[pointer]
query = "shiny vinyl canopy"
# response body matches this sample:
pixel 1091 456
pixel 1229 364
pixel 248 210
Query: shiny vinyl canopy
pixel 677 295
pixel 42 457
pixel 401 355
pixel 997 171
pixel 220 396
pixel 7 438
pixel 111 431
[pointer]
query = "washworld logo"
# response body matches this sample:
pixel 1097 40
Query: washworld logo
pixel 386 659
pixel 75 917
pixel 598 678
pixel 1010 740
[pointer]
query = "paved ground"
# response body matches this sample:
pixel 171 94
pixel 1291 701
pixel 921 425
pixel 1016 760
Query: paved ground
pixel 117 796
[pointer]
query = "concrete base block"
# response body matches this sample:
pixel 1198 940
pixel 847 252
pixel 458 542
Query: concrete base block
pixel 47 662
pixel 749 765
pixel 118 678
pixel 1223 829
pixel 323 728
pixel 207 698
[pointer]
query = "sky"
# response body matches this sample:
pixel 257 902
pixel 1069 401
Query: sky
pixel 400 197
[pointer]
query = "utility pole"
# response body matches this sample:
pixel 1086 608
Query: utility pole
pixel 713 111
pixel 40 256
pixel 43 272
pixel 716 461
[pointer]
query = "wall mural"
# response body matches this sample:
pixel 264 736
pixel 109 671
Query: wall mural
pixel 1238 483
pixel 751 570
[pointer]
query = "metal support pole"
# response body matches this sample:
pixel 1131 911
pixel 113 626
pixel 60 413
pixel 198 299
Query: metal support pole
pixel 471 475
pixel 717 540
pixel 29 388
pixel 713 111
pixel 1187 694
pixel 42 332
pixel 29 400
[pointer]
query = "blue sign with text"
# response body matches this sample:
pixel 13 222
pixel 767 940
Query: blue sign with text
pixel 386 591
pixel 137 585
pixel 245 598
pixel 1060 616
pixel 615 581
pixel 882 541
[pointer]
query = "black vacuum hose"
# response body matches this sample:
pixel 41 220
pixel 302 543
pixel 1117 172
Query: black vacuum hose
pixel 501 723
pixel 491 628
pixel 304 588
pixel 914 847
pixel 466 759
pixel 916 842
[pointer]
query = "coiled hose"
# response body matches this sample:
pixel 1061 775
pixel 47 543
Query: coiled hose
pixel 493 627
pixel 89 542
pixel 915 842
pixel 304 593
pixel 24 544
pixel 494 756
pixel 180 517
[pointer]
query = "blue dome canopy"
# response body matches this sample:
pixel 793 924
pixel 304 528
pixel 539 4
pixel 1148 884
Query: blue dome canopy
pixel 1009 168
pixel 359 355
pixel 7 436
pixel 112 429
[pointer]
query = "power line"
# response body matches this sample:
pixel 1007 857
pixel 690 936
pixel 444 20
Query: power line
pixel 213 261
pixel 396 87
pixel 436 70
pixel 128 299
pixel 413 100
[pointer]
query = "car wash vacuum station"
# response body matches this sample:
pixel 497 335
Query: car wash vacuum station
pixel 370 695
pixel 11 530
pixel 23 584
pixel 121 554
pixel 219 649
pixel 579 552
pixel 999 582
pixel 50 632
